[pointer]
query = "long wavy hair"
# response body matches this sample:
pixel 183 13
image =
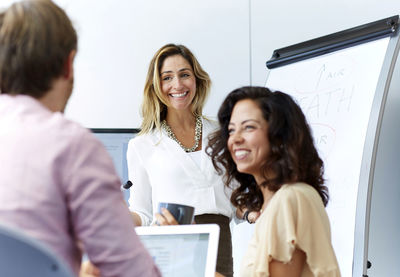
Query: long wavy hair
pixel 292 156
pixel 154 107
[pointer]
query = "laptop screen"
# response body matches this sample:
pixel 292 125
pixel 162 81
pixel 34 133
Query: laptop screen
pixel 184 250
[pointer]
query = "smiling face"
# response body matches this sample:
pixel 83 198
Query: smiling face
pixel 248 142
pixel 178 82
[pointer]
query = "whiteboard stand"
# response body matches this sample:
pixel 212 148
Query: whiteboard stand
pixel 382 221
pixel 360 62
pixel 367 173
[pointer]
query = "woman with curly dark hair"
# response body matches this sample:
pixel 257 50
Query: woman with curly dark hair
pixel 265 144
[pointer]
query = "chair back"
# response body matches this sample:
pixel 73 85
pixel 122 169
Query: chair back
pixel 21 255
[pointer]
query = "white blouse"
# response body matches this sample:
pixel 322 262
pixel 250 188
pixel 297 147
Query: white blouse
pixel 196 157
pixel 161 171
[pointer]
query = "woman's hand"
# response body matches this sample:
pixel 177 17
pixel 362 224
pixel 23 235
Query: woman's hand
pixel 165 218
pixel 136 219
pixel 89 270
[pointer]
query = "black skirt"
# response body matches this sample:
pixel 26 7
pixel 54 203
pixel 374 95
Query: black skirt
pixel 224 258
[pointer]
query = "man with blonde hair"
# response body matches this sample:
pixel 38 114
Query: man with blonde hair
pixel 57 182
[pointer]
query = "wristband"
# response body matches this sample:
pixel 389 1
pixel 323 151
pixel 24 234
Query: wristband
pixel 246 216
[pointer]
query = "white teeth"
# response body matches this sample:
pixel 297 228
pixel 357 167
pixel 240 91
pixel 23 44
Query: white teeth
pixel 241 153
pixel 179 94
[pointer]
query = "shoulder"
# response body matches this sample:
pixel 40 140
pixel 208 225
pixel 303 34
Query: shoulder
pixel 295 197
pixel 297 191
pixel 70 129
pixel 77 149
pixel 144 143
pixel 145 139
pixel 75 136
pixel 295 202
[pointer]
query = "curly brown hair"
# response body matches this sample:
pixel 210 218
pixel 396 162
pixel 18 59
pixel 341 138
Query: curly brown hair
pixel 292 157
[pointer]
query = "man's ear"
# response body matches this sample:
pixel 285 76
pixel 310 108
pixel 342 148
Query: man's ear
pixel 69 65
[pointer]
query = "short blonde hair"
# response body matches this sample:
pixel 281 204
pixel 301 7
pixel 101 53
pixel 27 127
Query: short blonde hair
pixel 36 38
pixel 154 107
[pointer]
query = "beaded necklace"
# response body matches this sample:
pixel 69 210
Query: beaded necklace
pixel 197 134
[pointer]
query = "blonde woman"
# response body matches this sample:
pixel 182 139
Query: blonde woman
pixel 167 161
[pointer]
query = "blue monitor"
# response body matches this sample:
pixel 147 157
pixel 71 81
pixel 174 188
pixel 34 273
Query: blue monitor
pixel 116 143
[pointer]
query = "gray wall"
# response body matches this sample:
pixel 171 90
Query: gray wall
pixel 384 242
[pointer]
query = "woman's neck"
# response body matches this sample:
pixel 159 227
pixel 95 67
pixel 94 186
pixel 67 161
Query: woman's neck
pixel 267 195
pixel 184 120
pixel 185 129
pixel 261 179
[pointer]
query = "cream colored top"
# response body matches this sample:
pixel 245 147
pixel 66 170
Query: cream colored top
pixel 294 217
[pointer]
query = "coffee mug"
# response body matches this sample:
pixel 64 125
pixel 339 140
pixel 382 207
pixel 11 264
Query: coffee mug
pixel 182 213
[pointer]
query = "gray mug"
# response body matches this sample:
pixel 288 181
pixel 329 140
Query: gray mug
pixel 182 213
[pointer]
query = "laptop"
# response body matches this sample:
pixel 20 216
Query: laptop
pixel 182 250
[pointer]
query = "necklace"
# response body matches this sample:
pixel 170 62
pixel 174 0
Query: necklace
pixel 197 134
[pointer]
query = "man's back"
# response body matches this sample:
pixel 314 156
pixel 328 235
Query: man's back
pixel 58 184
pixel 31 192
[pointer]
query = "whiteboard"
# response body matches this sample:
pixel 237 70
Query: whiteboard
pixel 336 92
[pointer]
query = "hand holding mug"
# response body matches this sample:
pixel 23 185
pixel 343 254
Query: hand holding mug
pixel 173 214
pixel 165 218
